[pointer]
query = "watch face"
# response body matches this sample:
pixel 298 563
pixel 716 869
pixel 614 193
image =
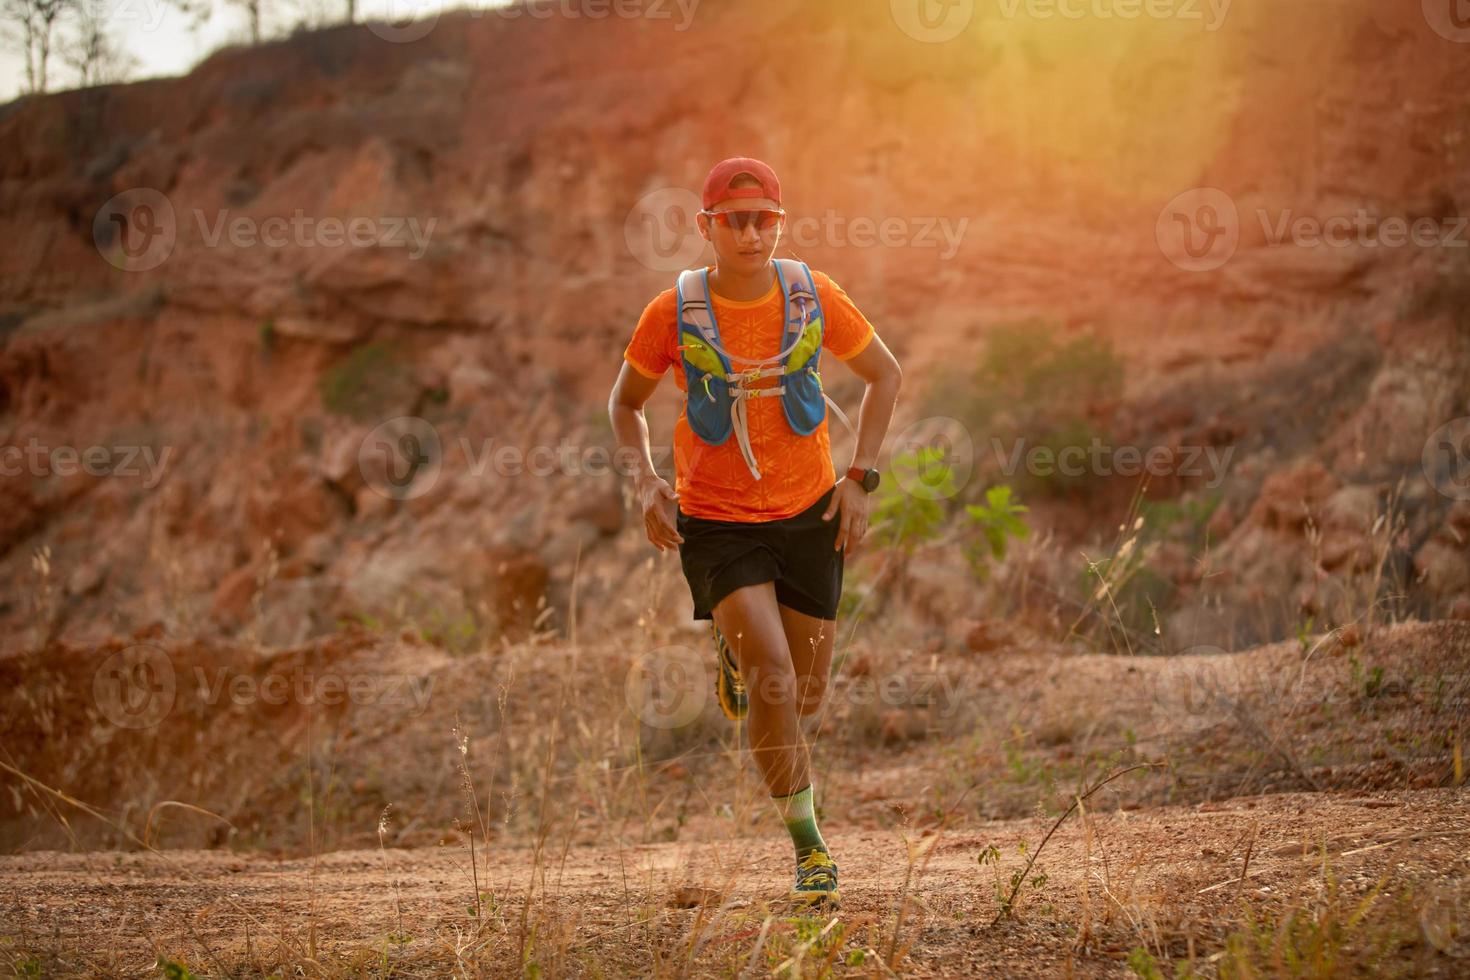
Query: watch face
pixel 870 480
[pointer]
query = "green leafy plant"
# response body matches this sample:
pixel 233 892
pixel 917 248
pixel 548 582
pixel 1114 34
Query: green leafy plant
pixel 903 518
pixel 997 520
pixel 173 970
pixel 268 336
pixel 1143 964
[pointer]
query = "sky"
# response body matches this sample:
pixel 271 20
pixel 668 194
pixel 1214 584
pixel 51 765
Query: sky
pixel 162 40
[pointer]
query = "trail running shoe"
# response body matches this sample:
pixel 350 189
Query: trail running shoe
pixel 816 879
pixel 729 688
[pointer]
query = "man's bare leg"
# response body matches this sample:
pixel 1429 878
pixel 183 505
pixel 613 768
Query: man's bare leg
pixel 756 627
pixel 751 622
pixel 810 640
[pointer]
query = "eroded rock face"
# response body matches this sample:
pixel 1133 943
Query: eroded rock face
pixel 235 388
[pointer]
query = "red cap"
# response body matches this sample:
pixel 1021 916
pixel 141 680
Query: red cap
pixel 717 184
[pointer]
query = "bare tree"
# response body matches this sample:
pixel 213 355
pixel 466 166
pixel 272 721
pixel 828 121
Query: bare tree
pixel 253 11
pixel 20 27
pixel 314 15
pixel 33 23
pixel 93 52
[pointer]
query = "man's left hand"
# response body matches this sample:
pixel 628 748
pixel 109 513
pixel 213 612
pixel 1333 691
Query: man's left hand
pixel 852 501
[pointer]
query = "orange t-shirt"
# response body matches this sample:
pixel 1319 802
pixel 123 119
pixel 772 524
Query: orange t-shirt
pixel 713 481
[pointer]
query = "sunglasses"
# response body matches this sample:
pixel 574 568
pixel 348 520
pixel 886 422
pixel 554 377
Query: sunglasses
pixel 764 219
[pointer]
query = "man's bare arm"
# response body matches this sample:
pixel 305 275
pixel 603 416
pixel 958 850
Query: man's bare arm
pixel 876 365
pixel 655 497
pixel 630 393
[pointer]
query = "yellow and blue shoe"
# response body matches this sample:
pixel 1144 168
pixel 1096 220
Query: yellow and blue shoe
pixel 816 880
pixel 729 688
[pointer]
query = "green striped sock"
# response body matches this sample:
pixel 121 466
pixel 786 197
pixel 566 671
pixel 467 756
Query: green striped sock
pixel 801 821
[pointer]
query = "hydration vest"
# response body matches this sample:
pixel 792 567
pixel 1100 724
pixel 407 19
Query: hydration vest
pixel 717 392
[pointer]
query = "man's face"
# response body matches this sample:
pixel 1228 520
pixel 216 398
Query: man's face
pixel 744 251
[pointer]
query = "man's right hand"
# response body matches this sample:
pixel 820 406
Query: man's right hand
pixel 660 509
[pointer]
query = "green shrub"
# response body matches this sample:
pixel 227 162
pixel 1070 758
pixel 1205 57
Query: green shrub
pixel 1034 388
pixel 368 384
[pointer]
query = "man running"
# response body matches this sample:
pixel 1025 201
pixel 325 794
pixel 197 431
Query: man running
pixel 760 519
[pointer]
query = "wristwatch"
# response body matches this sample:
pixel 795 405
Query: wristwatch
pixel 867 479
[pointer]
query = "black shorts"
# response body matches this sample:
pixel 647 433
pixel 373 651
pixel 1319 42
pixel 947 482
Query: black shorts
pixel 796 553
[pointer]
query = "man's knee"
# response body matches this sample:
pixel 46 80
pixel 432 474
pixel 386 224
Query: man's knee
pixel 771 682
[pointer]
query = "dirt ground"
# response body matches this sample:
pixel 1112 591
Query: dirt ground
pixel 1292 810
pixel 1375 883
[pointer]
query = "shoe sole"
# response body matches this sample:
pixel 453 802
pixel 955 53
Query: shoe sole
pixel 724 685
pixel 832 899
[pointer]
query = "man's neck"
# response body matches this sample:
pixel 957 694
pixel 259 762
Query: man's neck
pixel 742 288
